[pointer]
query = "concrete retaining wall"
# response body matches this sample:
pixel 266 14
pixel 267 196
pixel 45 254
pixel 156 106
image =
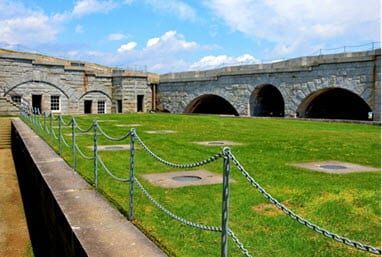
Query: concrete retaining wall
pixel 66 216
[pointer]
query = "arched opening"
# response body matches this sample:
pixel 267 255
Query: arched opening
pixel 211 104
pixel 334 103
pixel 40 96
pixel 267 101
pixel 95 101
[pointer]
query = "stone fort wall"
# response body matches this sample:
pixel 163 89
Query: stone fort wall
pixel 26 75
pixel 76 84
pixel 296 80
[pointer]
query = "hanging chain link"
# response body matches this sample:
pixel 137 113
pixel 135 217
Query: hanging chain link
pixel 176 165
pixel 65 123
pixel 301 220
pixel 174 216
pixel 250 179
pixel 110 173
pixel 82 154
pixel 83 130
pixel 54 134
pixel 65 142
pixel 239 244
pixel 113 138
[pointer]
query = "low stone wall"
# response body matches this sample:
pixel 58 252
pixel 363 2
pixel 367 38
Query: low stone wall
pixel 65 215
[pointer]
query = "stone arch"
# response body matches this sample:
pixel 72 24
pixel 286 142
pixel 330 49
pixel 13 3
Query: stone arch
pixel 89 101
pixel 37 76
pixel 95 91
pixel 211 104
pixel 7 91
pixel 334 103
pixel 267 100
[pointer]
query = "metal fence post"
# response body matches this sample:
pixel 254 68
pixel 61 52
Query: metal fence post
pixel 33 118
pixel 45 122
pixel 59 136
pixel 74 154
pixel 131 179
pixel 95 155
pixel 51 125
pixel 225 202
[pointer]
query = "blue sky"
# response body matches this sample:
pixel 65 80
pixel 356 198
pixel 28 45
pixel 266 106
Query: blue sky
pixel 175 35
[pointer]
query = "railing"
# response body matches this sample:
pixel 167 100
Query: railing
pixel 322 51
pixel 226 155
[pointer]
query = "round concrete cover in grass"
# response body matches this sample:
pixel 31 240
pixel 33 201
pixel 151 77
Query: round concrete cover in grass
pixel 186 178
pixel 218 143
pixel 127 125
pixel 80 134
pixel 111 147
pixel 160 131
pixel 334 167
pixel 106 121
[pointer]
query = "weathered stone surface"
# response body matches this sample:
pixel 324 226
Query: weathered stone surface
pixel 295 79
pixel 27 74
pixel 24 75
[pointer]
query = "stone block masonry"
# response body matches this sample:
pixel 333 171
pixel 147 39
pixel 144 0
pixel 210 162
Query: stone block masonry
pixel 337 86
pixel 62 86
pixel 298 81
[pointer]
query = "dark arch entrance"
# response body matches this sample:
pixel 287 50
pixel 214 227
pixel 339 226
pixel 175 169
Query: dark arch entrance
pixel 334 103
pixel 266 100
pixel 211 104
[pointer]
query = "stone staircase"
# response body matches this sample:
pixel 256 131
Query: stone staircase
pixel 5 133
pixel 8 108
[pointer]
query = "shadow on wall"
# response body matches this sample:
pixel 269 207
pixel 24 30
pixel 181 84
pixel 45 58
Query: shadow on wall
pixel 211 104
pixel 334 103
pixel 266 101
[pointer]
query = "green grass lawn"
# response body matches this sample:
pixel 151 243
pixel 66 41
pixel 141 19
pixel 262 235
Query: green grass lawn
pixel 347 204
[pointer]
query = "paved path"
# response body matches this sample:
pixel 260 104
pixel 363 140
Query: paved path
pixel 14 238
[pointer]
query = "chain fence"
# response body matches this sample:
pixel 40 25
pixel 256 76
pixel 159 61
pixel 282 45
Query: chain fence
pixel 226 154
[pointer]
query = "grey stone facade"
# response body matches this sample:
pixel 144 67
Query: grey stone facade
pixel 296 80
pixel 25 75
pixel 79 84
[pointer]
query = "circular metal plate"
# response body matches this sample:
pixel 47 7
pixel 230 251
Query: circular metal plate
pixel 216 143
pixel 186 178
pixel 333 167
pixel 115 148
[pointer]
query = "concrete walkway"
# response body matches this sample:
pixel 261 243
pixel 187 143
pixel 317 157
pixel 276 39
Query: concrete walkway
pixel 14 237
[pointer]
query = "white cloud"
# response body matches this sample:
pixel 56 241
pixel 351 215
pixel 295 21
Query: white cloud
pixel 170 41
pixel 84 7
pixel 79 29
pixel 304 22
pixel 116 36
pixel 167 52
pixel 211 61
pixel 176 7
pixel 20 25
pixel 127 47
pixel 152 42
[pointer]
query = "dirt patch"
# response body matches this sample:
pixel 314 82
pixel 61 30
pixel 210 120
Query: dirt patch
pixel 14 238
pixel 268 209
